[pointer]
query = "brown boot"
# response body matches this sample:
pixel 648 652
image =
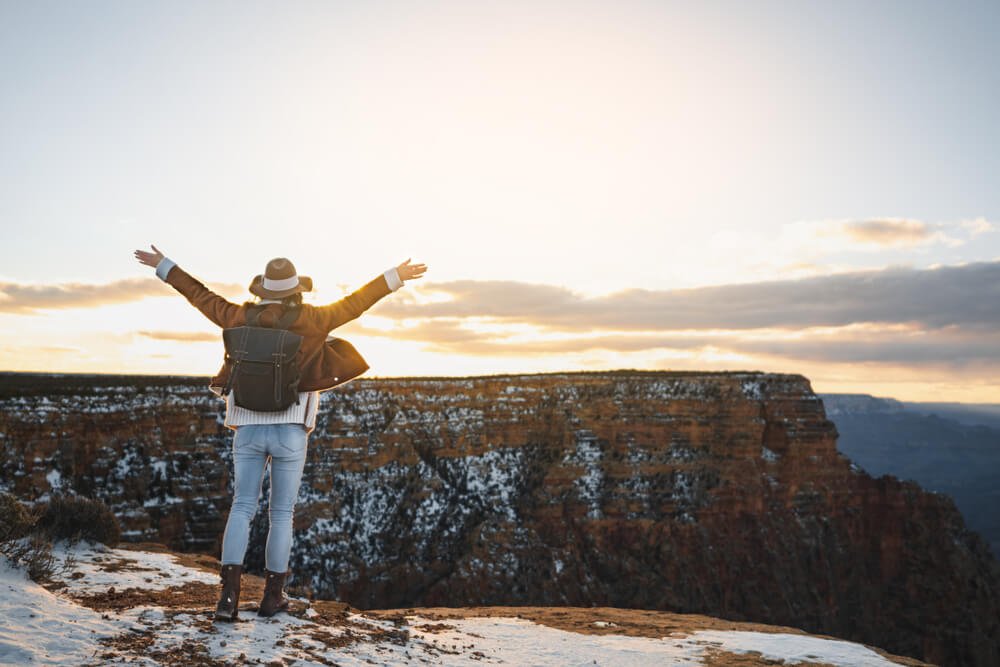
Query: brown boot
pixel 274 599
pixel 229 599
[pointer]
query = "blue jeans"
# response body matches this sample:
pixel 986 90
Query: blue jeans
pixel 253 444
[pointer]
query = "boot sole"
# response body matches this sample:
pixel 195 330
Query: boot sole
pixel 283 608
pixel 225 616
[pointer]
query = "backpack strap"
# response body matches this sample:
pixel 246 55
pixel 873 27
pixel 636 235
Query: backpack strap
pixel 278 356
pixel 253 315
pixel 287 318
pixel 234 369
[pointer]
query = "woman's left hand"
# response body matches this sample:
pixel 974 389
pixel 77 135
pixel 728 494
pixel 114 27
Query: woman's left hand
pixel 149 258
pixel 409 271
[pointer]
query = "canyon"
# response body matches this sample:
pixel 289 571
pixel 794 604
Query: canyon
pixel 690 492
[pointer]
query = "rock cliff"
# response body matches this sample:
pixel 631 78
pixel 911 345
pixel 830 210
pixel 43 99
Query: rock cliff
pixel 717 493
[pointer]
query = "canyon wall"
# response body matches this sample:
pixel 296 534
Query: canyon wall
pixel 717 493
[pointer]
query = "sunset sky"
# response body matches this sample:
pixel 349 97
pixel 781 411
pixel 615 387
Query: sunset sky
pixel 783 186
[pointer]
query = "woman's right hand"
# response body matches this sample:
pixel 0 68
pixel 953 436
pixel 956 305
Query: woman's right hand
pixel 409 271
pixel 149 258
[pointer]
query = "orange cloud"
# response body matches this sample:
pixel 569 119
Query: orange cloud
pixel 183 336
pixel 889 231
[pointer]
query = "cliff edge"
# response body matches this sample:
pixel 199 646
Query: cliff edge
pixel 709 493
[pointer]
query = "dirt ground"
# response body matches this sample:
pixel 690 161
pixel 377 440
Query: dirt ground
pixel 200 597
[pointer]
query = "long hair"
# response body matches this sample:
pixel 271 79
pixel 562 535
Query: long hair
pixel 292 301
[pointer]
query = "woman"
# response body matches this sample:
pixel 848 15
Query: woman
pixel 280 436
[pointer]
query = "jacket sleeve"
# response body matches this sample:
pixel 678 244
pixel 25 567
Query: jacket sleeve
pixel 351 306
pixel 223 313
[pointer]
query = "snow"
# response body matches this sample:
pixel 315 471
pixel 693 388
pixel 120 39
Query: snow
pixel 455 492
pixel 753 389
pixel 106 400
pixel 517 641
pixel 103 567
pixel 589 485
pixel 41 628
pixel 49 628
pixel 794 648
pixel 159 466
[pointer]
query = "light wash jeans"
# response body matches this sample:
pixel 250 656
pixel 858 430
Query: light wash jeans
pixel 253 444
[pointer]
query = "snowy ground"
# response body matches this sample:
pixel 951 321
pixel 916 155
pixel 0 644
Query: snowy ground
pixel 123 606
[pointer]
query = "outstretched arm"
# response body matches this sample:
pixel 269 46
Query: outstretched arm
pixel 214 307
pixel 351 306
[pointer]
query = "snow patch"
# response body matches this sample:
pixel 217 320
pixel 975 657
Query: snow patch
pixel 101 567
pixel 793 648
pixel 41 628
pixel 588 454
pixel 54 479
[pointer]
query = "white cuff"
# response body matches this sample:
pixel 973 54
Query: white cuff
pixel 163 268
pixel 392 279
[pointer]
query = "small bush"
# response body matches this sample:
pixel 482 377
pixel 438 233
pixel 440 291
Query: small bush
pixel 21 544
pixel 15 520
pixel 73 518
pixel 34 554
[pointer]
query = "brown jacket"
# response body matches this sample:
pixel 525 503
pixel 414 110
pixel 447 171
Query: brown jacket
pixel 323 366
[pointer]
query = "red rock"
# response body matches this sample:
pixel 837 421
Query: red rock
pixel 716 493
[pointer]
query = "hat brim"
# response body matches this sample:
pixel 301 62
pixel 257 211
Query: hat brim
pixel 257 288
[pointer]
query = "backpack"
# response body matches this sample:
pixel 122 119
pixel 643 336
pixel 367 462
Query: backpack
pixel 263 366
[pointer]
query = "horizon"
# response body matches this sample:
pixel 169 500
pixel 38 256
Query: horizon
pixel 665 371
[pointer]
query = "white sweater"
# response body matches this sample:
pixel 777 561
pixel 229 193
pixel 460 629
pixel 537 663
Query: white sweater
pixel 303 413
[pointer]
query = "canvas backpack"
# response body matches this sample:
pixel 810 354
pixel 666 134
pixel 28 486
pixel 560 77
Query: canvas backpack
pixel 263 362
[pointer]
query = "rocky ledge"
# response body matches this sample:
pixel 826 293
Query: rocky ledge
pixel 144 605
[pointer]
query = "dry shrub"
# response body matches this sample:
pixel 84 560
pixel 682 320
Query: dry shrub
pixel 21 544
pixel 15 519
pixel 34 554
pixel 75 518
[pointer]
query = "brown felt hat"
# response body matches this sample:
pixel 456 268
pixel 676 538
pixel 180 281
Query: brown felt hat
pixel 280 280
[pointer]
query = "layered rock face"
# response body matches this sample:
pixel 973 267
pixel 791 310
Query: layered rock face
pixel 718 493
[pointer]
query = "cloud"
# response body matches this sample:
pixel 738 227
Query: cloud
pixel 26 299
pixel 451 337
pixel 977 226
pixel 183 336
pixel 950 346
pixel 943 316
pixel 965 295
pixel 889 231
pixel 946 346
pixel 875 233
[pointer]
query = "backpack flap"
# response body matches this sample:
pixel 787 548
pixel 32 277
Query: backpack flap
pixel 263 365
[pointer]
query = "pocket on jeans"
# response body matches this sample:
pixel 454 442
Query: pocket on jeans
pixel 292 439
pixel 242 436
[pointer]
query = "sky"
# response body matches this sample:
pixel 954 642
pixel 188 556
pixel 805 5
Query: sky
pixel 801 187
